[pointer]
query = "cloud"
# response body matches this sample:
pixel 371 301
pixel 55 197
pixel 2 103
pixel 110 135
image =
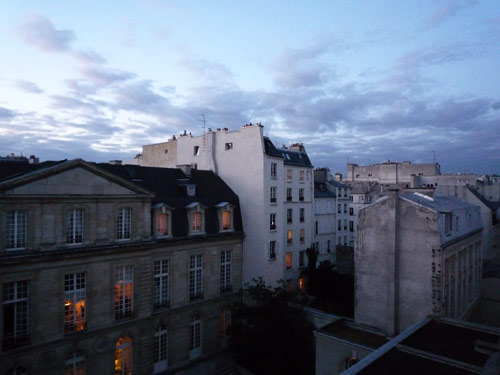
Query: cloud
pixel 29 87
pixel 105 77
pixel 40 32
pixel 6 114
pixel 446 11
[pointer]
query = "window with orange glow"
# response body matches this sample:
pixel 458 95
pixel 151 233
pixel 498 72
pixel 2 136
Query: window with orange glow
pixel 301 283
pixel 124 281
pixel 288 261
pixel 226 220
pixel 162 224
pixel 123 356
pixel 289 236
pixel 74 302
pixel 196 221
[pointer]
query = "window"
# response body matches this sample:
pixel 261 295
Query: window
pixel 339 226
pixel 329 244
pixel 351 211
pixel 339 241
pixel 74 364
pixel 339 209
pixel 345 193
pixel 301 195
pixel 196 221
pixel 289 194
pixel 288 261
pixel 196 150
pixel 195 337
pixel 272 221
pixel 301 216
pixel 123 356
pixel 160 349
pixel 274 167
pixel 15 314
pixel 225 322
pixel 161 283
pixel 196 277
pixel 74 226
pixel 162 222
pixel 272 250
pixel 124 281
pixel 301 176
pixel 289 175
pixel 289 236
pixel 302 258
pixel 316 227
pixel 351 226
pixel 345 208
pixel 74 302
pixel 345 240
pixel 225 271
pixel 226 220
pixel 345 224
pixel 16 230
pixel 448 223
pixel 273 194
pixel 302 235
pixel 289 215
pixel 229 146
pixel 301 283
pixel 123 224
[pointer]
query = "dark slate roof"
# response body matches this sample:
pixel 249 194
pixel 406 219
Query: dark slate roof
pixel 491 205
pixel 290 157
pixel 338 184
pixel 320 191
pixel 11 170
pixel 168 185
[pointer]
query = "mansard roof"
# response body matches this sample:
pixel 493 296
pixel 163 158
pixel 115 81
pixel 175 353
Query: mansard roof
pixel 437 204
pixel 290 157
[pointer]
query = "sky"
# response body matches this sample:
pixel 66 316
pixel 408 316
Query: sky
pixel 357 81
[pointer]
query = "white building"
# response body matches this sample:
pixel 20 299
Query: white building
pixel 390 172
pixel 275 187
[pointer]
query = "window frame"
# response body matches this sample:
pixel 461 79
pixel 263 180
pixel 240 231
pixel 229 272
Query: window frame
pixel 124 224
pixel 273 250
pixel 75 319
pixel 20 314
pixel 196 277
pixel 124 356
pixel 195 337
pixel 289 237
pixel 160 349
pixel 226 258
pixel 16 226
pixel 301 195
pixel 161 284
pixel 289 260
pixel 272 194
pixel 274 171
pixel 289 175
pixel 75 226
pixel 124 292
pixel 272 221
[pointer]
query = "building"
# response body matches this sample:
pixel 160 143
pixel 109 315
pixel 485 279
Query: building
pixel 112 269
pixel 390 172
pixel 362 193
pixel 421 255
pixel 275 187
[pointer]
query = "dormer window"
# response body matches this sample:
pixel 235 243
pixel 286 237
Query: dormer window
pixel 196 213
pixel 225 216
pixel 162 220
pixel 191 190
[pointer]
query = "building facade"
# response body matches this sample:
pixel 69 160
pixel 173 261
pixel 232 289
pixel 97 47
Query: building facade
pixel 110 269
pixel 275 187
pixel 390 172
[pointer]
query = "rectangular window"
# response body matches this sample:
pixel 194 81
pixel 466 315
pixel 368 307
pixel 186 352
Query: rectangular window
pixel 339 209
pixel 289 175
pixel 274 167
pixel 226 220
pixel 339 226
pixel 345 193
pixel 15 314
pixel 317 247
pixel 196 150
pixel 225 271
pixel 345 208
pixel 289 194
pixel 196 277
pixel 345 224
pixel 160 350
pixel 301 195
pixel 448 222
pixel 272 221
pixel 289 215
pixel 16 230
pixel 196 221
pixel 74 226
pixel 302 235
pixel 329 244
pixel 273 194
pixel 351 211
pixel 289 236
pixel 288 261
pixel 302 215
pixel 302 258
pixel 301 176
pixel 229 146
pixel 161 283
pixel 351 226
pixel 123 224
pixel 124 289
pixel 195 337
pixel 161 224
pixel 316 227
pixel 74 302
pixel 272 250
pixel 345 240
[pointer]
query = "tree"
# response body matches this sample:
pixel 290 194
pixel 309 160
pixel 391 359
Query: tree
pixel 270 337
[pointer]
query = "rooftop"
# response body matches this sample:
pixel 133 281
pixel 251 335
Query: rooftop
pixel 345 330
pixel 437 204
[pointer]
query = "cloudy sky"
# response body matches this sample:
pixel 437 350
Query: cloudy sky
pixel 363 81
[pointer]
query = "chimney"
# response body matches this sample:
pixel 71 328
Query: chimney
pixel 338 176
pixel 115 162
pixel 298 147
pixel 186 169
pixel 321 175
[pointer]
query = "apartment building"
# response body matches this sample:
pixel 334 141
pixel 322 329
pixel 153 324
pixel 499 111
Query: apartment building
pixel 112 269
pixel 390 172
pixel 275 187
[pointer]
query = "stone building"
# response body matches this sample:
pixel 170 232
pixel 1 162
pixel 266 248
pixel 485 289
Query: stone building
pixel 111 269
pixel 390 172
pixel 275 187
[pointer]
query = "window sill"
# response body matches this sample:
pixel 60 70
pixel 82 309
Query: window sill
pixel 271 259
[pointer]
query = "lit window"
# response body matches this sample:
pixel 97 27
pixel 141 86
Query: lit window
pixel 301 283
pixel 301 195
pixel 274 167
pixel 288 261
pixel 272 221
pixel 289 175
pixel 195 337
pixel 74 364
pixel 225 322
pixel 162 223
pixel 196 218
pixel 302 235
pixel 161 291
pixel 229 146
pixel 272 250
pixel 289 215
pixel 15 314
pixel 160 349
pixel 301 176
pixel 226 220
pixel 225 271
pixel 302 215
pixel 196 221
pixel 196 277
pixel 16 230
pixel 123 224
pixel 273 194
pixel 289 236
pixel 289 194
pixel 123 356
pixel 124 281
pixel 74 226
pixel 74 302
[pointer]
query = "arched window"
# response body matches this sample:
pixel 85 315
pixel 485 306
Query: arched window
pixel 74 364
pixel 123 356
pixel 160 348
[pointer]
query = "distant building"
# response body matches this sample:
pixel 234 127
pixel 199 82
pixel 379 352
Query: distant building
pixel 390 172
pixel 112 269
pixel 362 194
pixel 275 187
pixel 19 159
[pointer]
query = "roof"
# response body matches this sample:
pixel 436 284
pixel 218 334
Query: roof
pixel 490 204
pixel 320 191
pixel 290 157
pixel 437 204
pixel 362 187
pixel 338 184
pixel 11 170
pixel 354 333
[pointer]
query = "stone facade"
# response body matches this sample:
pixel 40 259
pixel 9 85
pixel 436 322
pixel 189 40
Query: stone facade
pixel 390 172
